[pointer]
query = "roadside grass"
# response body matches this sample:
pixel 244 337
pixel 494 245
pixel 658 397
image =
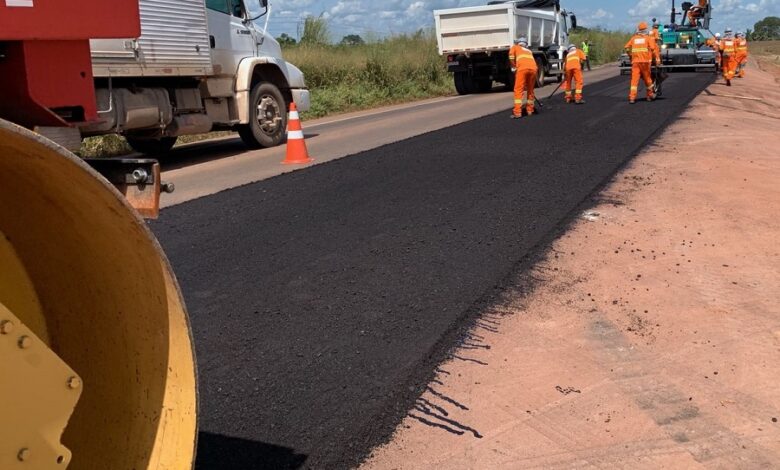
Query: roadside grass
pixel 353 77
pixel 767 54
pixel 765 48
pixel 606 46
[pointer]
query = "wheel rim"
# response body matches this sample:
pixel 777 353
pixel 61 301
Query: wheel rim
pixel 269 115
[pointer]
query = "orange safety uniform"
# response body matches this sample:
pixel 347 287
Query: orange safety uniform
pixel 696 12
pixel 713 44
pixel 655 33
pixel 728 49
pixel 741 56
pixel 573 72
pixel 522 59
pixel 643 50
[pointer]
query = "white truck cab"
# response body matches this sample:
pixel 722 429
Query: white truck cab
pixel 199 65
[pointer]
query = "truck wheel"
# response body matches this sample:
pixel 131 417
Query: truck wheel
pixel 160 146
pixel 267 117
pixel 509 82
pixel 483 85
pixel 464 84
pixel 540 76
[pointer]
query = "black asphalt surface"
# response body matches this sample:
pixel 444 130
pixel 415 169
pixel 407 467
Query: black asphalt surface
pixel 319 298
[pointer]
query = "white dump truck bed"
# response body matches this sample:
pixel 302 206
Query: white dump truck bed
pixel 494 27
pixel 174 42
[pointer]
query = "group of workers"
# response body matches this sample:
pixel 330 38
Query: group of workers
pixel 524 66
pixel 644 47
pixel 732 53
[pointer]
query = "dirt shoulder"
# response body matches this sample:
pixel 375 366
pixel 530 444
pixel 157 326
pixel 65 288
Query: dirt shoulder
pixel 652 337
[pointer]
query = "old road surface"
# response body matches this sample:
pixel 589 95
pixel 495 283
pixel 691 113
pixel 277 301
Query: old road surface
pixel 322 300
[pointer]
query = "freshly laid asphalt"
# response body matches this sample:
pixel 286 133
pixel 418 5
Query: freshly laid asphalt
pixel 318 299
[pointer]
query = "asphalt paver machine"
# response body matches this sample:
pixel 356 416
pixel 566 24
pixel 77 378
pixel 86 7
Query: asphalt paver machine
pixel 685 43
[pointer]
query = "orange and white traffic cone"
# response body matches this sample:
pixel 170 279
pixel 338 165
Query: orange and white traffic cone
pixel 296 146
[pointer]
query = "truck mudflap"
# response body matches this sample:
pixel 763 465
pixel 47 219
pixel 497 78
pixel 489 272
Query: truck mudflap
pixel 302 99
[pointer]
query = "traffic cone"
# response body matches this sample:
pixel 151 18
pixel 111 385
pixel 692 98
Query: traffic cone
pixel 296 146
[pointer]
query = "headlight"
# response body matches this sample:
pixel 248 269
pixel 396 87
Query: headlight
pixel 664 46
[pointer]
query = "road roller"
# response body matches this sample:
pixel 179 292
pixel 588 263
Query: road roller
pixel 97 368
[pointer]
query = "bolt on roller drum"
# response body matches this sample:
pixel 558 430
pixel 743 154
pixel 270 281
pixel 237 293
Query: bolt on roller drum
pixel 88 305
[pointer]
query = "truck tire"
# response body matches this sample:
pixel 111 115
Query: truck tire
pixel 540 75
pixel 464 84
pixel 160 146
pixel 267 117
pixel 483 85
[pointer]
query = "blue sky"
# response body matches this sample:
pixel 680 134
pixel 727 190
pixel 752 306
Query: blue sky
pixel 380 18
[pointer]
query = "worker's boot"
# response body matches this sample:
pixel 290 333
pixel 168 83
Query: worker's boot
pixel 728 82
pixel 580 101
pixel 631 101
pixel 515 116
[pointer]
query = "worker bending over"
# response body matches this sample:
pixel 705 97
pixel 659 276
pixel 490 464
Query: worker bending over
pixel 573 69
pixel 643 51
pixel 742 54
pixel 521 59
pixel 728 51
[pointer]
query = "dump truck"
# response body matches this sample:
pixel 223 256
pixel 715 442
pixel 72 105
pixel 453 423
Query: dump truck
pixel 96 357
pixel 684 46
pixel 476 41
pixel 193 66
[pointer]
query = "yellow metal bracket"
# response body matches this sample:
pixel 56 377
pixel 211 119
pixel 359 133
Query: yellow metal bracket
pixel 38 393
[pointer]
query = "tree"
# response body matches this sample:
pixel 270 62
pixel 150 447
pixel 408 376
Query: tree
pixel 286 40
pixel 767 29
pixel 352 40
pixel 315 31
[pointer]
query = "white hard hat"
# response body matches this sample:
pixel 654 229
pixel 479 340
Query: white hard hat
pixel 571 46
pixel 717 35
pixel 522 40
pixel 728 30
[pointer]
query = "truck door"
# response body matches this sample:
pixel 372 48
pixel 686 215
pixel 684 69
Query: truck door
pixel 255 10
pixel 231 37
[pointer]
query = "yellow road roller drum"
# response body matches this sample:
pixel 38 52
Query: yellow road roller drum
pixel 94 336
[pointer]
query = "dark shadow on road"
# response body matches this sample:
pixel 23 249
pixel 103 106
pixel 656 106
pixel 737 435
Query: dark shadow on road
pixel 217 452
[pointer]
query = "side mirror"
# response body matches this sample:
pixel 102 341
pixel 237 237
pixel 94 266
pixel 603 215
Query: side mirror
pixel 237 11
pixel 573 22
pixel 264 3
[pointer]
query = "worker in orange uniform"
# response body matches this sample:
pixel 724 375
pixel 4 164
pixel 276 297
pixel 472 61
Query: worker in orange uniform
pixel 656 33
pixel 523 64
pixel 696 12
pixel 728 51
pixel 573 70
pixel 742 54
pixel 643 51
pixel 714 44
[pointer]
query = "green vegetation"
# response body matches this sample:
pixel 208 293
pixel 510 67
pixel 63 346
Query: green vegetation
pixel 605 46
pixel 767 29
pixel 357 74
